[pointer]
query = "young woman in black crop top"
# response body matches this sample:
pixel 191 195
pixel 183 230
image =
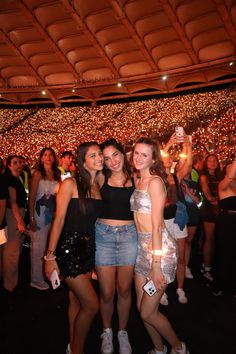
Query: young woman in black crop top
pixel 116 245
pixel 71 248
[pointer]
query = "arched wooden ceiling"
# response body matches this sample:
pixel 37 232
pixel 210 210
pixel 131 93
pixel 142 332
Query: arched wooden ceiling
pixel 79 50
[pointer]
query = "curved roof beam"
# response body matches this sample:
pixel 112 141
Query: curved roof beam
pixel 177 26
pixel 72 11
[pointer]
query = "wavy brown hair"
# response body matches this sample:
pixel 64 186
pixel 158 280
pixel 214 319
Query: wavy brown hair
pixel 157 168
pixel 82 176
pixel 126 167
pixel 40 165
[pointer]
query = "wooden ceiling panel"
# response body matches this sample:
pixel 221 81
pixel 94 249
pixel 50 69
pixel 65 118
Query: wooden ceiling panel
pixel 89 46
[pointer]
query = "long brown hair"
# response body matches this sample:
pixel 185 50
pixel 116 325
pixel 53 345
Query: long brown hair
pixel 157 168
pixel 82 176
pixel 40 165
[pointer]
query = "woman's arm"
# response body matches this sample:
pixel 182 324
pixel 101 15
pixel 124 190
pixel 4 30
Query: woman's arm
pixel 206 190
pixel 195 198
pixel 172 141
pixel 64 195
pixel 15 210
pixel 185 162
pixel 32 198
pixel 3 203
pixel 230 175
pixel 157 194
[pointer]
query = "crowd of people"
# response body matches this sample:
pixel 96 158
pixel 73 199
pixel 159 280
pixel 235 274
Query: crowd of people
pixel 126 218
pixel 209 117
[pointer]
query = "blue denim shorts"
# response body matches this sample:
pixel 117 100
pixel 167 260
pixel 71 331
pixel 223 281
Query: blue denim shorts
pixel 115 245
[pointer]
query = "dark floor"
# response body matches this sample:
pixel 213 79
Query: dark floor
pixel 35 322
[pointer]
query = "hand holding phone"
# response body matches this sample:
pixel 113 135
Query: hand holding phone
pixel 179 133
pixel 150 288
pixel 54 278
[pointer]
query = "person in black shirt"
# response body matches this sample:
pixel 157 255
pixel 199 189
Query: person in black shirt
pixel 71 247
pixel 15 221
pixel 116 244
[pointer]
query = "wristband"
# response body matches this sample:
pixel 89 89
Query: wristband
pixel 157 252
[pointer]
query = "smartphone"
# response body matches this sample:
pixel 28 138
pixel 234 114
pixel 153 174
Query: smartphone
pixel 179 132
pixel 150 288
pixel 55 281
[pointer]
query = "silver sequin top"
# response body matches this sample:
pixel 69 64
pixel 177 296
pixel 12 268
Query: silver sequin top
pixel 140 202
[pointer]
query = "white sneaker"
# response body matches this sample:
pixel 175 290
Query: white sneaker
pixel 184 350
pixel 68 349
pixel 154 351
pixel 124 344
pixel 107 341
pixel 181 296
pixel 164 300
pixel 40 285
pixel 188 273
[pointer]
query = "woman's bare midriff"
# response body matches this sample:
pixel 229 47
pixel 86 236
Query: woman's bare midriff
pixel 143 222
pixel 116 222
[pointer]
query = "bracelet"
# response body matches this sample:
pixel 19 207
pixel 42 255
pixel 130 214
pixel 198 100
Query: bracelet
pixel 157 252
pixel 50 258
pixel 48 252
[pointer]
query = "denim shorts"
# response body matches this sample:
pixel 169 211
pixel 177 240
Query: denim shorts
pixel 115 245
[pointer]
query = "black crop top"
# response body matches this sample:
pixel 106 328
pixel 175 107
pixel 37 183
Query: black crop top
pixel 116 202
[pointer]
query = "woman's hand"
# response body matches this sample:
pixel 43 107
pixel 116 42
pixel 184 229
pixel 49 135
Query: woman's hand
pixel 49 267
pixel 21 227
pixel 157 276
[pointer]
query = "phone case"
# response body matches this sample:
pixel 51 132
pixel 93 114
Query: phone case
pixel 179 132
pixel 55 281
pixel 150 288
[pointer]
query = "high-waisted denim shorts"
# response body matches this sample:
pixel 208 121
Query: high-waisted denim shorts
pixel 115 245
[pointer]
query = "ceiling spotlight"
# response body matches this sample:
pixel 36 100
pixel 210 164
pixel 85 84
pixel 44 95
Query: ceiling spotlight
pixel 73 90
pixel 43 92
pixel 119 84
pixel 0 95
pixel 231 63
pixel 164 77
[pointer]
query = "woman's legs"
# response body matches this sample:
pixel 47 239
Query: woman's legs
pixel 180 273
pixel 208 245
pixel 156 323
pixel 83 290
pixel 189 240
pixel 73 310
pixel 125 276
pixel 107 284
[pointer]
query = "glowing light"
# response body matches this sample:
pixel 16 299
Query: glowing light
pixel 182 155
pixel 43 92
pixel 165 77
pixel 119 84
